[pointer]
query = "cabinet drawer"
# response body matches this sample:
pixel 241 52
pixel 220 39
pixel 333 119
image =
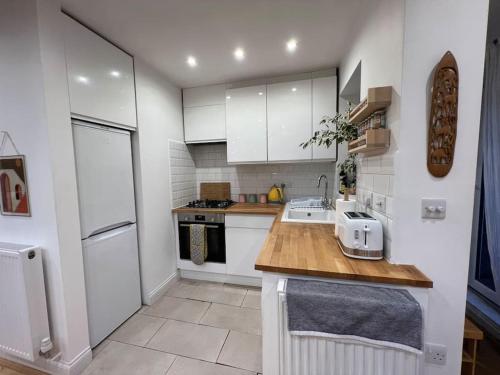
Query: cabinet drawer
pixel 250 221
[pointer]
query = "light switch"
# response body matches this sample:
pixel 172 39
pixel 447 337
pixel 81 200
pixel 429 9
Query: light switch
pixel 433 208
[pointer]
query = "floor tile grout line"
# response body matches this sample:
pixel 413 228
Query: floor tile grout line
pixel 170 366
pixel 156 332
pixel 244 298
pixel 205 313
pixel 222 347
pixel 192 323
pixel 210 363
pixel 191 299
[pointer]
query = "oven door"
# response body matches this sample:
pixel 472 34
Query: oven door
pixel 216 241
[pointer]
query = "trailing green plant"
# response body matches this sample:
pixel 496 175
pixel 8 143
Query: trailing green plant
pixel 337 129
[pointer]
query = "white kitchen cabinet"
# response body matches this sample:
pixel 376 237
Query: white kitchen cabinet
pixel 289 120
pixel 204 114
pixel 246 124
pixel 204 95
pixel 245 236
pixel 100 78
pixel 205 124
pixel 324 103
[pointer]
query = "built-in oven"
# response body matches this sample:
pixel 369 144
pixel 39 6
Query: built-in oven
pixel 216 237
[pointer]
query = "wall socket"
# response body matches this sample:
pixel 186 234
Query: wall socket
pixel 435 353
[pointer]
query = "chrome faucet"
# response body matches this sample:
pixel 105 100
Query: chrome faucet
pixel 325 196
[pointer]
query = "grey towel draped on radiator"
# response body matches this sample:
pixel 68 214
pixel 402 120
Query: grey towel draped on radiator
pixel 375 313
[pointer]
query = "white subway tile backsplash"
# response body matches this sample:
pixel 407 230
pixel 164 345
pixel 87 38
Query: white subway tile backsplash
pixel 182 174
pixel 381 183
pixel 368 181
pixel 387 164
pixel 389 207
pixel 299 179
pixel 390 191
pixel 373 164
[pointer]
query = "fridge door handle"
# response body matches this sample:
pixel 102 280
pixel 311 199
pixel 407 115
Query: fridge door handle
pixel 111 227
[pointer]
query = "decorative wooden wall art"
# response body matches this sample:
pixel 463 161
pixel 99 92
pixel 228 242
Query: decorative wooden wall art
pixel 442 131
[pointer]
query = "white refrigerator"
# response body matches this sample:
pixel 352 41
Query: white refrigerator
pixel 109 235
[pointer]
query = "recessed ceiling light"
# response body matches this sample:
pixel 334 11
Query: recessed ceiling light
pixel 239 54
pixel 261 93
pixel 82 79
pixel 294 89
pixel 115 73
pixel 291 45
pixel 228 97
pixel 191 61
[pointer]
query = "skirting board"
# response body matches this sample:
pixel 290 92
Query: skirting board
pixel 156 293
pixel 222 278
pixel 54 365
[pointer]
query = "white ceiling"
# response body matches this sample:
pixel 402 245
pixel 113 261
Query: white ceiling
pixel 165 32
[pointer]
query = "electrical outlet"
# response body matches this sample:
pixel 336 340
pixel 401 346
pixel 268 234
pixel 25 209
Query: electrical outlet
pixel 435 353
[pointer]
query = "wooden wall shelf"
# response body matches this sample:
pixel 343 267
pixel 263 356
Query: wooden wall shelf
pixel 378 98
pixel 372 140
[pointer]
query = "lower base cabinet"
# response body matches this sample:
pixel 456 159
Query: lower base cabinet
pixel 245 236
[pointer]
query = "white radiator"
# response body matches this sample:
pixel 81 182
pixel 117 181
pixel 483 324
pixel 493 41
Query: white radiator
pixel 24 326
pixel 310 355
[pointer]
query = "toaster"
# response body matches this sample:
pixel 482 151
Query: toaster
pixel 360 236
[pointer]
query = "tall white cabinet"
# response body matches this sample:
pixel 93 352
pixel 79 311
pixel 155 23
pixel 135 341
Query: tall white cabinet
pixel 246 117
pixel 324 103
pixel 100 78
pixel 289 120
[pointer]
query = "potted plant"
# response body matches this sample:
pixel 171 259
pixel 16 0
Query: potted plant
pixel 338 129
pixel 347 175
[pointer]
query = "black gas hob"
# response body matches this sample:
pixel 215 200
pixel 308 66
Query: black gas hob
pixel 208 203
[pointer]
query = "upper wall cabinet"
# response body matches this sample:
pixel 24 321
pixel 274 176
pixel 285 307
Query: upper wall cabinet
pixel 289 120
pixel 246 125
pixel 324 103
pixel 204 114
pixel 100 78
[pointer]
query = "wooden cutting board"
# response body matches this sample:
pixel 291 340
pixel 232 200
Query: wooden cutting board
pixel 215 190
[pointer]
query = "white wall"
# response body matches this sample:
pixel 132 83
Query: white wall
pixel 379 47
pixel 159 114
pixel 35 111
pixel 441 248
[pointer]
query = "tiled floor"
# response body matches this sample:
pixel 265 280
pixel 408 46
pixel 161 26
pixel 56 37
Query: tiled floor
pixel 197 328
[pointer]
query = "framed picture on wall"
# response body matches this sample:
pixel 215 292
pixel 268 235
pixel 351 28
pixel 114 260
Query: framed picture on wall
pixel 14 186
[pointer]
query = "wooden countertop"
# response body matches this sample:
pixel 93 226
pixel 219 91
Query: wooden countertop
pixel 312 250
pixel 255 209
